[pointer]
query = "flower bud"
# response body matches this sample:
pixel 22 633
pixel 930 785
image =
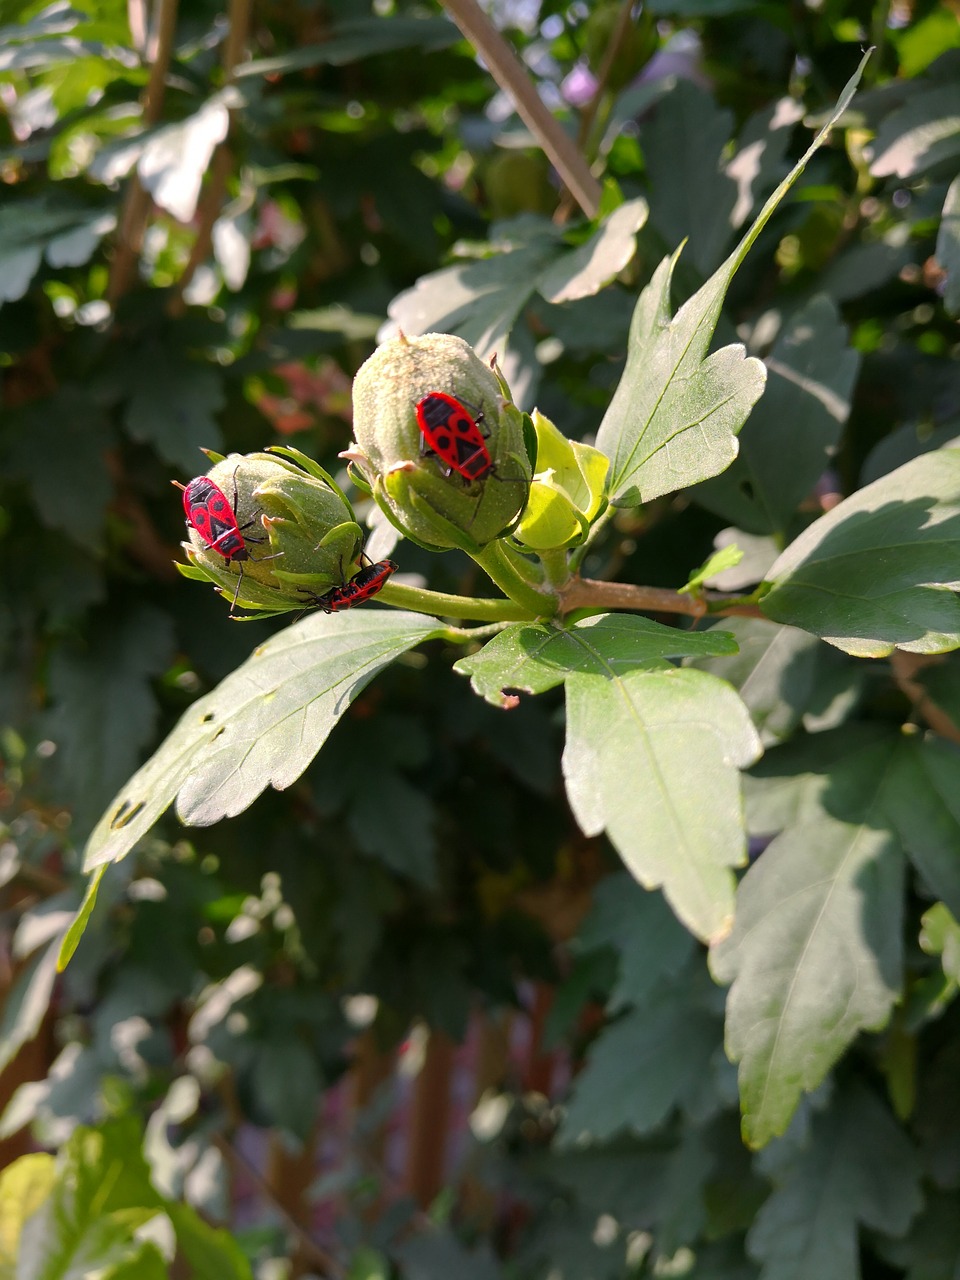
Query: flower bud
pixel 447 493
pixel 300 534
pixel 567 493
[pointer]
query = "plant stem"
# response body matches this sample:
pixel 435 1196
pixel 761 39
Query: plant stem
pixel 443 605
pixel 136 205
pixel 587 593
pixel 514 79
pixel 507 572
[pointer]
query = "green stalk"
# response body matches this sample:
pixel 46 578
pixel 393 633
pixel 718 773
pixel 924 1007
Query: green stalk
pixel 509 572
pixel 442 604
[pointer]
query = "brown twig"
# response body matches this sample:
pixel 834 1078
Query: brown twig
pixel 136 206
pixel 589 112
pixel 512 77
pixel 221 166
pixel 319 1257
pixel 588 593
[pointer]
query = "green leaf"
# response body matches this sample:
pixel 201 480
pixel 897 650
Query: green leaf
pixel 691 197
pixel 535 657
pixel 653 1060
pixel 917 136
pixel 631 736
pixel 922 802
pixel 792 433
pixel 175 158
pixel 103 709
pixel 28 1001
pixel 674 417
pixel 259 727
pixel 815 953
pixel 650 944
pixel 877 572
pixel 57 448
pixel 101 1199
pixel 211 1252
pixel 24 1185
pixel 33 228
pixel 357 38
pixel 675 414
pixel 932 1249
pixel 398 828
pixel 858 1168
pixel 173 404
pixel 596 263
pixel 481 300
pixel 651 758
pixel 438 1255
pixel 725 558
pixel 774 672
pixel 948 247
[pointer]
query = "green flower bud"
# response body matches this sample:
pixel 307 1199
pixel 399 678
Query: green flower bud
pixel 567 493
pixel 301 535
pixel 408 481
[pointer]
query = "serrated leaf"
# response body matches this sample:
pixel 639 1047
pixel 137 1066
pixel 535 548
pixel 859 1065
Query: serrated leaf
pixel 774 673
pixel 57 449
pixel 173 403
pixel 480 301
pixel 638 1070
pixel 792 433
pixel 878 571
pixel 932 1249
pixel 597 262
pixel 920 134
pixel 651 758
pixel 674 417
pixel 535 657
pixel 66 234
pixel 858 1168
pixel 922 801
pixel 103 709
pixel 259 727
pixel 691 197
pixel 438 1255
pixel 394 822
pixel 815 953
pixel 650 943
pixel 948 247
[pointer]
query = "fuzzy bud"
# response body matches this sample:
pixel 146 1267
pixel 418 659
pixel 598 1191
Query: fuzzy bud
pixel 299 531
pixel 469 484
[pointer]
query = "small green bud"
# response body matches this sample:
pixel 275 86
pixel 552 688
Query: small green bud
pixel 410 485
pixel 302 536
pixel 567 493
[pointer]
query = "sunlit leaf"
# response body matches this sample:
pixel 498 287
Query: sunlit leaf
pixel 815 953
pixel 261 726
pixel 948 247
pixel 675 415
pixel 878 572
pixel 794 430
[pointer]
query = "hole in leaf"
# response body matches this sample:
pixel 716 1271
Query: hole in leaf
pixel 125 814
